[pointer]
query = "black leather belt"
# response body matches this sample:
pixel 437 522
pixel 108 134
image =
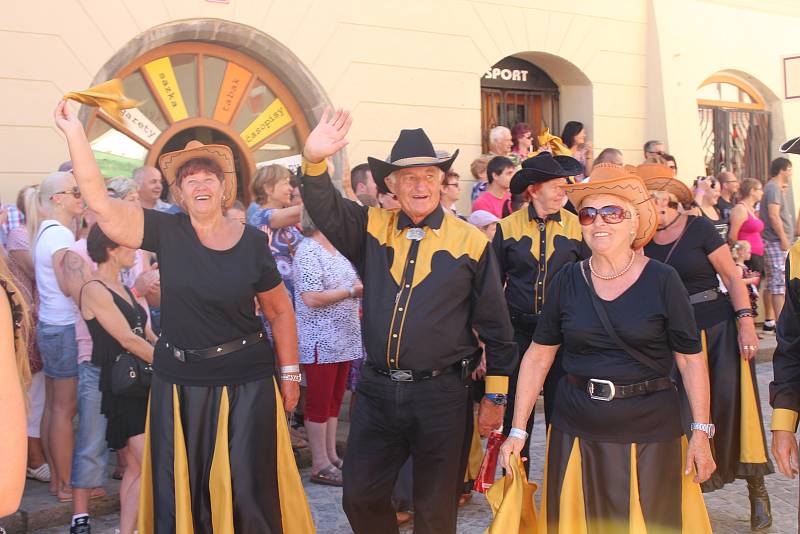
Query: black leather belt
pixel 189 355
pixel 605 390
pixel 409 375
pixel 704 296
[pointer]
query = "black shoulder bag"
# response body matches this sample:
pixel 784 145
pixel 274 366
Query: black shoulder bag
pixel 130 375
pixel 601 313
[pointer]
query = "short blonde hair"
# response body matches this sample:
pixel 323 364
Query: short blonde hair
pixel 478 166
pixel 266 177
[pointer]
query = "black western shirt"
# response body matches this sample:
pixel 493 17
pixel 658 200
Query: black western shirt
pixel 530 251
pixel 784 391
pixel 422 298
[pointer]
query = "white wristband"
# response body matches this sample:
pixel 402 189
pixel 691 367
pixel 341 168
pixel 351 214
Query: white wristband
pixel 518 433
pixel 290 369
pixel 352 291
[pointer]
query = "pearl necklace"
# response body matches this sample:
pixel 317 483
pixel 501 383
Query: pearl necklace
pixel 617 275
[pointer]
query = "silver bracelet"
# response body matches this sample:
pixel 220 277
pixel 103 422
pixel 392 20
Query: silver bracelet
pixel 290 368
pixel 291 377
pixel 518 433
pixel 352 291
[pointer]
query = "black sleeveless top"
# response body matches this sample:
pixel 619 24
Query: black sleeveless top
pixel 105 348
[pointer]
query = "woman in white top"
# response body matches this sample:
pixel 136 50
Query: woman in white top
pixel 60 205
pixel 329 338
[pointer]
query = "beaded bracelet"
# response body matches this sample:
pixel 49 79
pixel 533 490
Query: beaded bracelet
pixel 744 312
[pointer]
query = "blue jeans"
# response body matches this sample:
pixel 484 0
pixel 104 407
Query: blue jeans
pixel 90 457
pixel 59 350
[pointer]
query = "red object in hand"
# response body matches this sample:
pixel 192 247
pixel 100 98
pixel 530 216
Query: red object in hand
pixel 488 468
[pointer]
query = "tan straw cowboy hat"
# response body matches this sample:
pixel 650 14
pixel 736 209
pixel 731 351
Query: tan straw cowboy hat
pixel 615 180
pixel 171 162
pixel 659 177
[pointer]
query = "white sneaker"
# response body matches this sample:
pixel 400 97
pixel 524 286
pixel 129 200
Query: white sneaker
pixel 41 473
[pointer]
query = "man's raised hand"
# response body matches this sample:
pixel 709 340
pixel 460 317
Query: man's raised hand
pixel 329 135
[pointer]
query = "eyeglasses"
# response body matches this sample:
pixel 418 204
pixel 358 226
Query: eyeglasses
pixel 75 192
pixel 610 214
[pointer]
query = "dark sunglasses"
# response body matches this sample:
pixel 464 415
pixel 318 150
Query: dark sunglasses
pixel 75 192
pixel 610 214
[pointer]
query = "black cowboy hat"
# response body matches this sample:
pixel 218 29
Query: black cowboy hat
pixel 413 148
pixel 792 146
pixel 543 167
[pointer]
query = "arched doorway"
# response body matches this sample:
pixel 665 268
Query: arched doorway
pixel 514 90
pixel 735 127
pixel 198 90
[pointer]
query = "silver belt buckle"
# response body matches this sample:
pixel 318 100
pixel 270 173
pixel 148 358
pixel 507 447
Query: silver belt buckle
pixel 401 375
pixel 590 387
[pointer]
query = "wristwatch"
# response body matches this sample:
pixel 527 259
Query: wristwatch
pixel 500 399
pixel 708 428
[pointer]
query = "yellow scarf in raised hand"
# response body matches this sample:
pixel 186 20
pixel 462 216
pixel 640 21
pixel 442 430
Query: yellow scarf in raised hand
pixel 107 96
pixel 512 504
pixel 557 146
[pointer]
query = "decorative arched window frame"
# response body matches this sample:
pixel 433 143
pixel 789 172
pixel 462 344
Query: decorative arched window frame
pixel 758 102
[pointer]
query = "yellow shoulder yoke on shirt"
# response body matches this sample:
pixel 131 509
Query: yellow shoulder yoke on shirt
pixel 794 261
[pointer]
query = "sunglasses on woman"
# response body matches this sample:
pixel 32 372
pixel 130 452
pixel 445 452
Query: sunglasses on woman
pixel 610 214
pixel 75 192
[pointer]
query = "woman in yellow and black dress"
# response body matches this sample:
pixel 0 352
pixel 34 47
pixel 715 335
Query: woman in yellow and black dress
pixel 217 454
pixel 693 246
pixel 616 457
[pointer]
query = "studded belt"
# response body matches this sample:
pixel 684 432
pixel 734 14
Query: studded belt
pixel 189 355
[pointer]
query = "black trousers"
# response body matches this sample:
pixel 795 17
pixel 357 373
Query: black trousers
pixel 425 420
pixel 523 337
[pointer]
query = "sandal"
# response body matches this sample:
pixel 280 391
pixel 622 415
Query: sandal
pixel 338 464
pixel 403 517
pixel 328 476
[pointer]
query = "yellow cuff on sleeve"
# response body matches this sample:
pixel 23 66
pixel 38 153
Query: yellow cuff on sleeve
pixel 497 384
pixel 314 169
pixel 784 419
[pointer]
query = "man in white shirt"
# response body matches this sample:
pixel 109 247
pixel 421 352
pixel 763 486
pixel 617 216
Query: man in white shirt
pixel 151 186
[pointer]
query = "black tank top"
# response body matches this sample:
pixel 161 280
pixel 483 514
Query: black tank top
pixel 104 347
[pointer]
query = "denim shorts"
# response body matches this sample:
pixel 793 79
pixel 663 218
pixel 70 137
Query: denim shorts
pixel 90 456
pixel 59 350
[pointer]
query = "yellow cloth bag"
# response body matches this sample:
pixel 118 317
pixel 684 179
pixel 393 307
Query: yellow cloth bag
pixel 511 500
pixel 557 146
pixel 107 96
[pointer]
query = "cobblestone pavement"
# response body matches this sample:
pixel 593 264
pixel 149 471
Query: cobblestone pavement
pixel 729 508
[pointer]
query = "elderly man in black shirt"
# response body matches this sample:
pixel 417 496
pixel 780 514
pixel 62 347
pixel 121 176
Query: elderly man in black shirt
pixel 430 282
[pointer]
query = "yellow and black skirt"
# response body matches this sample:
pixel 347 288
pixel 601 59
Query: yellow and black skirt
pixel 739 445
pixel 218 459
pixel 595 487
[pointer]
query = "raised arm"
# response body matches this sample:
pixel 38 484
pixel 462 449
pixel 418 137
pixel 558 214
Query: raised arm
pixel 341 220
pixel 122 222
